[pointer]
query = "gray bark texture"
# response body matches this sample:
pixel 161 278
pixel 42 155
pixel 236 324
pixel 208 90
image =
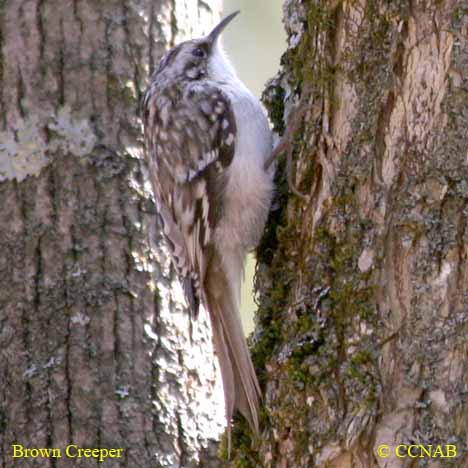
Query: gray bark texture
pixel 361 336
pixel 95 341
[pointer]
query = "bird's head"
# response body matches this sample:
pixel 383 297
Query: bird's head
pixel 197 58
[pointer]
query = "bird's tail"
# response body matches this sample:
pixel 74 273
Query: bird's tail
pixel 241 388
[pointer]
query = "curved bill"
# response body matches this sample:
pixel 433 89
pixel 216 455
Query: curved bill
pixel 213 36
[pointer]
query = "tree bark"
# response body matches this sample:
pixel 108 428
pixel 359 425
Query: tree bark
pixel 363 283
pixel 97 348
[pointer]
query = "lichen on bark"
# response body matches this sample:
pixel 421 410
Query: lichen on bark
pixel 361 284
pixel 96 343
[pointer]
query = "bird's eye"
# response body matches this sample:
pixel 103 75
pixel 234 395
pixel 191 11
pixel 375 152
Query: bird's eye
pixel 198 52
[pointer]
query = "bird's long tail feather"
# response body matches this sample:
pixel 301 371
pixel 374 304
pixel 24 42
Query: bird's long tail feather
pixel 241 388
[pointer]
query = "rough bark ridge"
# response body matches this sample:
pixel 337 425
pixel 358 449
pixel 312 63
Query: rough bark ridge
pixel 363 299
pixel 95 343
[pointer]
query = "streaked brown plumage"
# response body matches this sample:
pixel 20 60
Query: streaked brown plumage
pixel 207 142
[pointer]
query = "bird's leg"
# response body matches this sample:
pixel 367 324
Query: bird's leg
pixel 286 145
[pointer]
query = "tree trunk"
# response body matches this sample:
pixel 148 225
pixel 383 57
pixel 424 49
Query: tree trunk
pixel 363 283
pixel 97 350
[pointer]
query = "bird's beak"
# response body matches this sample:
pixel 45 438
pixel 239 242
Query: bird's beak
pixel 214 35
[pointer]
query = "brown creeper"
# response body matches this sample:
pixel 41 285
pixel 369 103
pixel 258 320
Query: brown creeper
pixel 207 141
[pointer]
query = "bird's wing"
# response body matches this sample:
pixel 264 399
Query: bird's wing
pixel 190 137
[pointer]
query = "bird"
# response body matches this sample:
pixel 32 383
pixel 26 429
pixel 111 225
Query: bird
pixel 207 141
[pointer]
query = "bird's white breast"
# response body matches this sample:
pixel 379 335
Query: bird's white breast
pixel 249 187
